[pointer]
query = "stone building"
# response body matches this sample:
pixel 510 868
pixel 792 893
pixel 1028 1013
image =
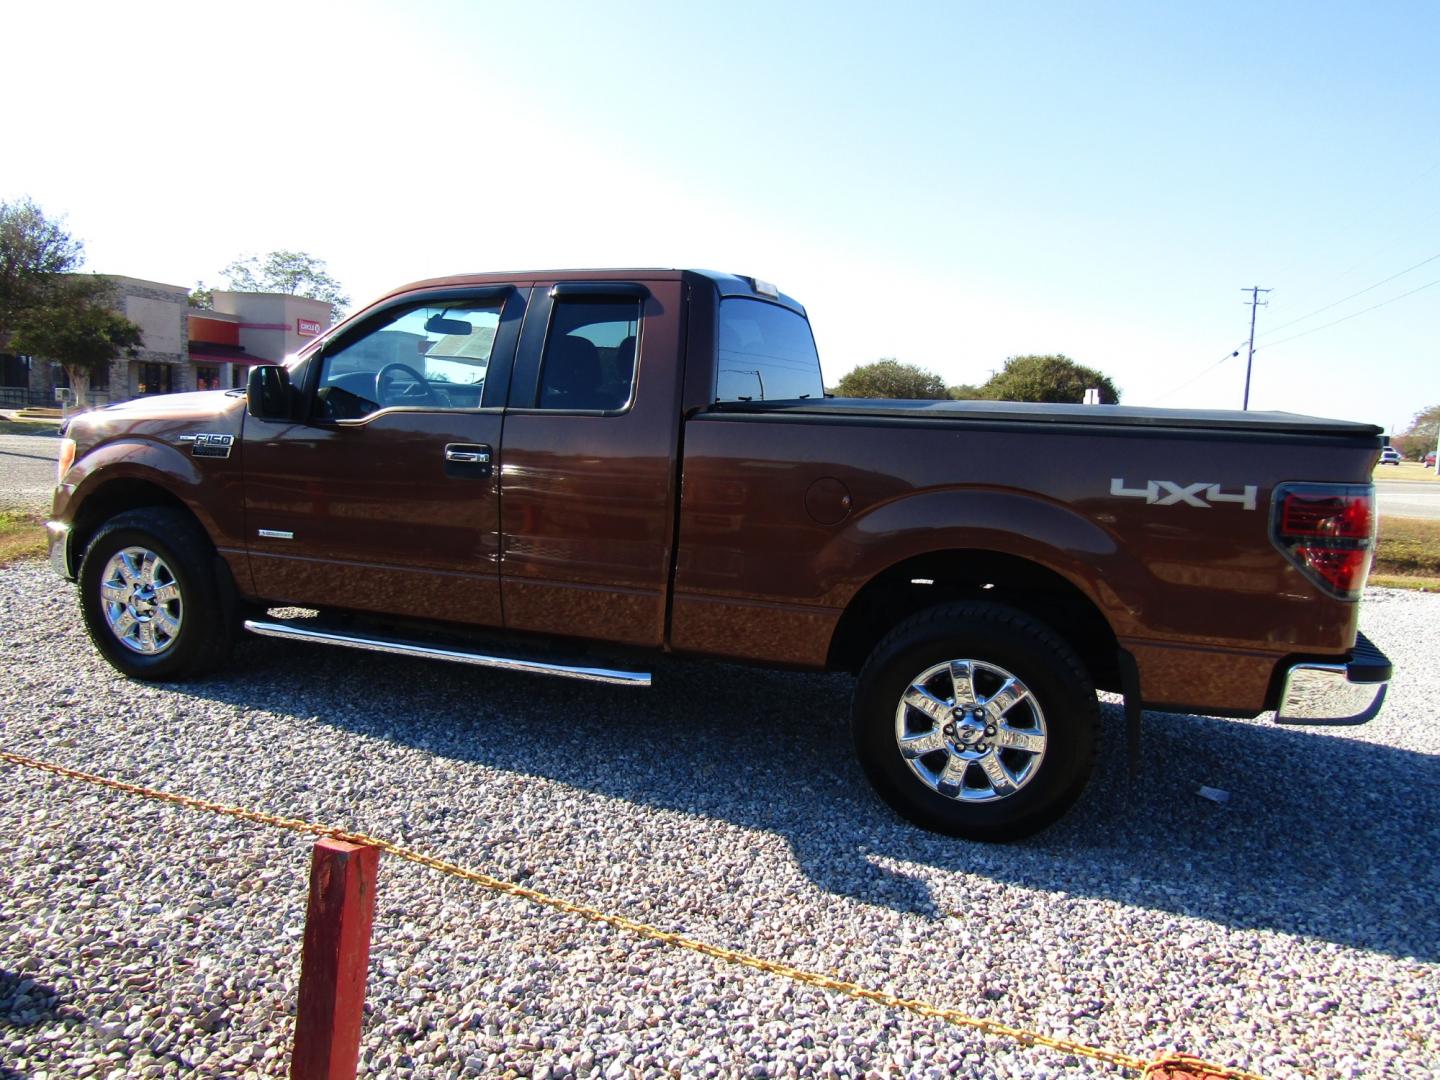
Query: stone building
pixel 185 348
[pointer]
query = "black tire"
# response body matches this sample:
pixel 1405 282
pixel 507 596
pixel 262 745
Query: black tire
pixel 999 640
pixel 203 614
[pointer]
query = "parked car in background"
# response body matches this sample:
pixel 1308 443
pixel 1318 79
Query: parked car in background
pixel 1389 456
pixel 1430 460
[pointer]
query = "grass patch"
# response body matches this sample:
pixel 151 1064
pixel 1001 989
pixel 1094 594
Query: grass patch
pixel 28 427
pixel 22 536
pixel 1407 555
pixel 1398 581
pixel 1408 547
pixel 1406 470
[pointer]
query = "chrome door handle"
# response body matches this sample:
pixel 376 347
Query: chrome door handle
pixel 467 460
pixel 467 454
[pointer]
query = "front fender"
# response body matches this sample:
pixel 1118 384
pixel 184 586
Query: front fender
pixel 210 489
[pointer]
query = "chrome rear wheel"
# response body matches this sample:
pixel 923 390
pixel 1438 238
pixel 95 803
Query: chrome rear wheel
pixel 970 730
pixel 977 720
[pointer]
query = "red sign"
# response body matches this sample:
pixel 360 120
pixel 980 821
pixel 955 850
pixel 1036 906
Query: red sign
pixel 307 327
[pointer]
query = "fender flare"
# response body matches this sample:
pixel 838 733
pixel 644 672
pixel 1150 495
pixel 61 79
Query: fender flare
pixel 133 458
pixel 1024 526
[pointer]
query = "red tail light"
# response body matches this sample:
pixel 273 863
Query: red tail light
pixel 1328 532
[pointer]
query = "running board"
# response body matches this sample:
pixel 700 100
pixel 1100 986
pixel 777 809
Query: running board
pixel 293 632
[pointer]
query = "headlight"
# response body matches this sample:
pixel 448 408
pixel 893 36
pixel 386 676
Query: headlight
pixel 66 459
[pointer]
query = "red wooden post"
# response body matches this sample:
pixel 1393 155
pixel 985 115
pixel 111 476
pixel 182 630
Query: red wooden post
pixel 334 961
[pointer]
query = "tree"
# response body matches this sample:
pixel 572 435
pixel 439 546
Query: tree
pixel 888 378
pixel 1419 438
pixel 965 392
pixel 291 272
pixel 75 326
pixel 34 251
pixel 202 296
pixel 1054 378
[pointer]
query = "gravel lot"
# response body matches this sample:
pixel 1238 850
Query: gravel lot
pixel 1292 929
pixel 27 464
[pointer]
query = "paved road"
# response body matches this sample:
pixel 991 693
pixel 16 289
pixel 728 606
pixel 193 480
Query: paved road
pixel 1409 498
pixel 27 471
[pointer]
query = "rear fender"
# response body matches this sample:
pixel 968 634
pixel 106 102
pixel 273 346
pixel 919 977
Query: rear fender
pixel 1024 526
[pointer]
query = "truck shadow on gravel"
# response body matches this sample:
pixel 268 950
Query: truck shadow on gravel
pixel 26 1004
pixel 1322 836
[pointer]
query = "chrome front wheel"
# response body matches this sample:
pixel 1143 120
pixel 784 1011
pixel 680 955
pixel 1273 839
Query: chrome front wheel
pixel 141 600
pixel 158 601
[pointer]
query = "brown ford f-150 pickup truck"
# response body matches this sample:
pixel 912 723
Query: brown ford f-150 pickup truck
pixel 565 473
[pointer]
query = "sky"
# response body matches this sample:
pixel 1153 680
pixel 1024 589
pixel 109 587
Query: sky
pixel 949 184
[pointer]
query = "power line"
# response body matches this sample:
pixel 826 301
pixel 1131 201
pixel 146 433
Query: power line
pixel 1201 374
pixel 1354 315
pixel 1408 231
pixel 1352 296
pixel 1415 181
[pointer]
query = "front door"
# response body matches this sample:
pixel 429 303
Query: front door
pixel 385 498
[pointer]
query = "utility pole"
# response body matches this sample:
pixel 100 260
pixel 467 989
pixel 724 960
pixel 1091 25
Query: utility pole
pixel 1255 303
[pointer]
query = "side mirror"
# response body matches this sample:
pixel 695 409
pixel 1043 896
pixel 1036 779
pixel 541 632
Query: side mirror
pixel 267 395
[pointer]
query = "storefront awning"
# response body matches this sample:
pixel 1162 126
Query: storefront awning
pixel 210 353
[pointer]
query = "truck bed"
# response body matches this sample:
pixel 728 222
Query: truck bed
pixel 1109 416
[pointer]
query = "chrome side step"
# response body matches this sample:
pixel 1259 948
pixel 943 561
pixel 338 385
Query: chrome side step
pixel 293 632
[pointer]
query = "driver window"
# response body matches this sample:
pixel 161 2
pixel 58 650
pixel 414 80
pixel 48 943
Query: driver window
pixel 429 357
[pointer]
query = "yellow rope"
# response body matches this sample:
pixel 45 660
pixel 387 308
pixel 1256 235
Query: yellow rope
pixel 1177 1063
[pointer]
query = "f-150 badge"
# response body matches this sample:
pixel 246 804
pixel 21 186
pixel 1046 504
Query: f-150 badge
pixel 1205 495
pixel 209 445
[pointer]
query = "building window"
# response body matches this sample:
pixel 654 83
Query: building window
pixel 207 377
pixel 155 379
pixel 100 377
pixel 14 371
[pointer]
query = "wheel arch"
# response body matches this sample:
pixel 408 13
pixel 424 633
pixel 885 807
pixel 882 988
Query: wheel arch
pixel 976 574
pixel 113 496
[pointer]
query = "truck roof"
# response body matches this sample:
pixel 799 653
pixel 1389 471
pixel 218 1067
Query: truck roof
pixel 725 284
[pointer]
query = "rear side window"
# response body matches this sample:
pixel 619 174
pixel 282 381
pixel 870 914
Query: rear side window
pixel 589 361
pixel 766 353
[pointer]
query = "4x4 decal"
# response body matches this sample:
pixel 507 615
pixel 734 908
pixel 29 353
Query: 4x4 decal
pixel 1168 493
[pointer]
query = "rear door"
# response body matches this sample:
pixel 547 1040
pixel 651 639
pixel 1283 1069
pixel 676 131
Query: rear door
pixel 385 498
pixel 588 475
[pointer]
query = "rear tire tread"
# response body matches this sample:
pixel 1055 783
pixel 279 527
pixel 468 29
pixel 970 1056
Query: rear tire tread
pixel 1075 706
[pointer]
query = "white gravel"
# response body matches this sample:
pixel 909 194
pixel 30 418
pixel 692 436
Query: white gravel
pixel 1292 929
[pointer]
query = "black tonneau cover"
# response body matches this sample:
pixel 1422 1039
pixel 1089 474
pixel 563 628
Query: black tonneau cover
pixel 1032 413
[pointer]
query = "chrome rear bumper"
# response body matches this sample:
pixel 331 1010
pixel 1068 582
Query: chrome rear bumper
pixel 1338 692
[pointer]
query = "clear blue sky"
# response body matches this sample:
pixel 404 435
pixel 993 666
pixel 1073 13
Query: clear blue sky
pixel 949 184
